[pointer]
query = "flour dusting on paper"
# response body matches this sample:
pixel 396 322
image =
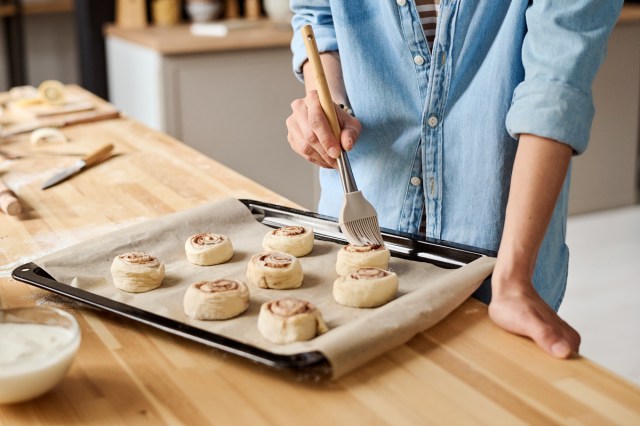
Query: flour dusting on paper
pixel 52 242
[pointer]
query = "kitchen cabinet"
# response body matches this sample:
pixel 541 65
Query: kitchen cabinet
pixel 37 42
pixel 607 175
pixel 226 97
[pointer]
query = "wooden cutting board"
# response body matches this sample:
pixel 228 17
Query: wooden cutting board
pixel 81 107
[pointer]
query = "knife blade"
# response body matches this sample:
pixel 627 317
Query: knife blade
pixel 89 160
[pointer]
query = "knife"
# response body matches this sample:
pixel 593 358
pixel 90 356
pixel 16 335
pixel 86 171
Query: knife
pixel 89 160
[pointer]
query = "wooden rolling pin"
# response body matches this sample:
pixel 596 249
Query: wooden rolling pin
pixel 8 201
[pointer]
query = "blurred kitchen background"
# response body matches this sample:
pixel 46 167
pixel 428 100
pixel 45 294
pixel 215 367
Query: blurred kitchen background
pixel 224 87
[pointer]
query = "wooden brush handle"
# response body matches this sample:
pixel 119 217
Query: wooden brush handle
pixel 321 79
pixel 98 155
pixel 346 175
pixel 8 201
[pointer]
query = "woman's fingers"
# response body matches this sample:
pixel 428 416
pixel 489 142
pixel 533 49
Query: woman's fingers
pixel 528 315
pixel 301 147
pixel 351 128
pixel 320 128
pixel 310 134
pixel 306 138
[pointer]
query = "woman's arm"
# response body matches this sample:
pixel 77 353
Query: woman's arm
pixel 561 53
pixel 538 174
pixel 309 132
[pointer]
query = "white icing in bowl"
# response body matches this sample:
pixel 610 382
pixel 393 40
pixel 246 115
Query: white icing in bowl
pixel 37 346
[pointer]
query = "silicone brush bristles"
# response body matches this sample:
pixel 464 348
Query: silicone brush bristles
pixel 363 232
pixel 359 221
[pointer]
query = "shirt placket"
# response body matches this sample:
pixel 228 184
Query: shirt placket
pixel 420 56
pixel 433 119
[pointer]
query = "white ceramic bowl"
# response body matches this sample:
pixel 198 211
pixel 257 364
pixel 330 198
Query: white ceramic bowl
pixel 278 10
pixel 37 346
pixel 202 11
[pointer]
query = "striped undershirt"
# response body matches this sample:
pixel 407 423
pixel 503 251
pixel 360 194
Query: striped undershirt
pixel 428 12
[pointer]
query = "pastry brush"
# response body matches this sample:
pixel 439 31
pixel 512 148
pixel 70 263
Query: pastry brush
pixel 358 218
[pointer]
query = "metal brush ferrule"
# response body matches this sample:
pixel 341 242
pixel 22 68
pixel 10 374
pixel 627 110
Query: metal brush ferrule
pixel 346 175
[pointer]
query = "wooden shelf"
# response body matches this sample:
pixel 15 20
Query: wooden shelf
pixel 38 8
pixel 7 10
pixel 178 40
pixel 43 7
pixel 630 14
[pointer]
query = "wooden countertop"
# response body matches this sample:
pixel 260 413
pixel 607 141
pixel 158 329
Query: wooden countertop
pixel 465 370
pixel 178 39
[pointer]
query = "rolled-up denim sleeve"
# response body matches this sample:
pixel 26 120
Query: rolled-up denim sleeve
pixel 562 50
pixel 317 13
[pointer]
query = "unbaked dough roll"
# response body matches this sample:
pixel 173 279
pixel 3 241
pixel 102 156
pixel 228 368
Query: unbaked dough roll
pixel 355 257
pixel 366 288
pixel 52 92
pixel 290 320
pixel 137 272
pixel 23 92
pixel 276 270
pixel 295 240
pixel 216 300
pixel 47 135
pixel 208 249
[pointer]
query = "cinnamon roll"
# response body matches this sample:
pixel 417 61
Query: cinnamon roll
pixel 276 270
pixel 216 300
pixel 52 92
pixel 137 272
pixel 366 288
pixel 354 257
pixel 295 240
pixel 208 249
pixel 290 320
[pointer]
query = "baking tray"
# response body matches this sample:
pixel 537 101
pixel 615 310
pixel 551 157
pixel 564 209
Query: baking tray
pixel 308 365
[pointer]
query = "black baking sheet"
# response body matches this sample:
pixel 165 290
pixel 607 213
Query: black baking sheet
pixel 308 365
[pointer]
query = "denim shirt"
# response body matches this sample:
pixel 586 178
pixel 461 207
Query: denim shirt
pixel 440 128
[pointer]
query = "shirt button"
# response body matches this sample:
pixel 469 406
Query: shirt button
pixel 432 121
pixel 418 60
pixel 416 181
pixel 401 2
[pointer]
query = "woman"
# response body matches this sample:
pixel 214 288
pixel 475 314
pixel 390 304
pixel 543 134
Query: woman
pixel 468 134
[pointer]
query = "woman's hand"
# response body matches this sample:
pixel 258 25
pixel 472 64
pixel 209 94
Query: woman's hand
pixel 520 310
pixel 310 134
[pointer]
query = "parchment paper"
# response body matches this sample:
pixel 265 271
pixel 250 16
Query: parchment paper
pixel 426 293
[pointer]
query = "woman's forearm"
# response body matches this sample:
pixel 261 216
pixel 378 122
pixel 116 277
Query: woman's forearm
pixel 333 72
pixel 539 172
